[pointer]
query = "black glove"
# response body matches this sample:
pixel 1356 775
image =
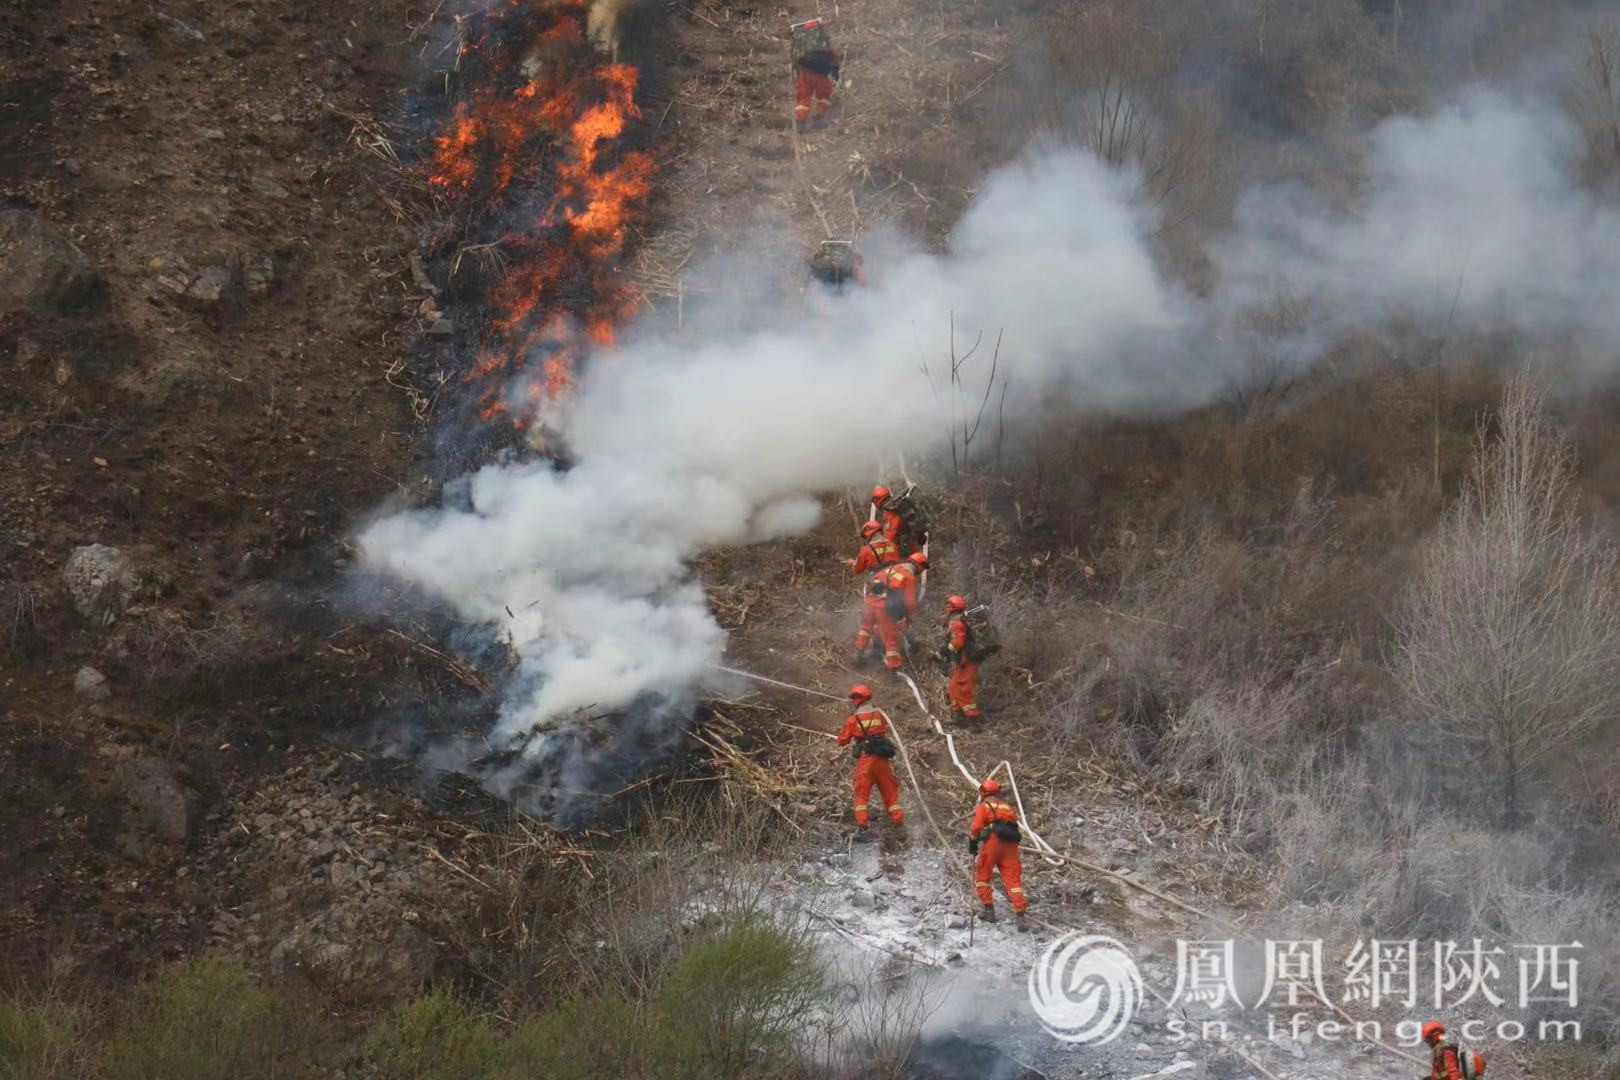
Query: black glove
pixel 973 845
pixel 943 655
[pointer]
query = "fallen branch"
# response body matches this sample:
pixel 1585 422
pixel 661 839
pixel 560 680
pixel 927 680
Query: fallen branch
pixel 1138 618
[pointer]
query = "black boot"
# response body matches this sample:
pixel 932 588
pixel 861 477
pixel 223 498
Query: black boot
pixel 1023 923
pixel 989 913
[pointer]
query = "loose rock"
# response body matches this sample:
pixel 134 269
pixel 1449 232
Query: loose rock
pixel 339 951
pixel 183 31
pixel 102 580
pixel 258 274
pixel 157 803
pixel 264 185
pixel 40 269
pixel 91 684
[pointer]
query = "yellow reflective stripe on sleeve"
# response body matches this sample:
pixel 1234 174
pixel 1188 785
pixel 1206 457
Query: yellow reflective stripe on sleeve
pixel 1016 888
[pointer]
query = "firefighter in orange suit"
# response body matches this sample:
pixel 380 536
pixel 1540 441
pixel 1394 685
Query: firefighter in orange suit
pixel 964 672
pixel 878 551
pixel 815 77
pixel 1446 1057
pixel 868 729
pixel 892 522
pixel 896 588
pixel 993 837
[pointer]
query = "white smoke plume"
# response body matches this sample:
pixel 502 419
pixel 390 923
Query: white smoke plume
pixel 1471 215
pixel 682 449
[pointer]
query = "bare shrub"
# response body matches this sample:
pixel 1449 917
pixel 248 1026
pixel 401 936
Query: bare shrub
pixel 1597 106
pixel 1508 638
pixel 1236 744
pixel 1101 89
pixel 880 1019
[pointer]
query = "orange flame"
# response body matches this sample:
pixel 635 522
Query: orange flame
pixel 559 130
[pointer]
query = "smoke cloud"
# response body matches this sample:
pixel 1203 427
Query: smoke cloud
pixel 1471 216
pixel 1471 213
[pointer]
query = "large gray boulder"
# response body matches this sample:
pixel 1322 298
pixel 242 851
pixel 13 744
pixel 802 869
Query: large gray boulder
pixel 159 813
pixel 102 580
pixel 40 269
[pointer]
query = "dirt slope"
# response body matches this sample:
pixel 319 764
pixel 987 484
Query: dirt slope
pixel 220 437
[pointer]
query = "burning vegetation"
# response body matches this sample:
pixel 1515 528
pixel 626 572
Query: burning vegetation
pixel 538 181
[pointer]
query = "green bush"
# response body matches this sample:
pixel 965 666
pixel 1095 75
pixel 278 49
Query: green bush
pixel 736 1003
pixel 209 1018
pixel 39 1042
pixel 437 1037
pixel 584 1038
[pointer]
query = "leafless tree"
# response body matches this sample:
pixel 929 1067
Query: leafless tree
pixel 1508 636
pixel 1597 104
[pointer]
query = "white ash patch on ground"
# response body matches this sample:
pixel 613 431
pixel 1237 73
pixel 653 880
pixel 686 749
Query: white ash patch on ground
pixel 905 910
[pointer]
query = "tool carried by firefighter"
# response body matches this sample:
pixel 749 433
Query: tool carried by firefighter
pixel 1450 1061
pixel 916 513
pixel 868 730
pixel 816 67
pixel 993 838
pixel 883 515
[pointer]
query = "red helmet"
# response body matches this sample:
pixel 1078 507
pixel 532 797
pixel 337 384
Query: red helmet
pixel 1433 1030
pixel 955 603
pixel 880 495
pixel 918 559
pixel 989 787
pixel 860 692
pixel 870 529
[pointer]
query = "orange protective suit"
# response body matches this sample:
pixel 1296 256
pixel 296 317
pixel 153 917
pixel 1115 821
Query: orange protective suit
pixel 964 673
pixel 891 579
pixel 877 553
pixel 815 78
pixel 996 853
pixel 1445 1064
pixel 869 620
pixel 871 769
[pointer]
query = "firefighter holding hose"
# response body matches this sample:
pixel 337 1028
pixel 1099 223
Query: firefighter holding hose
pixel 868 729
pixel 993 838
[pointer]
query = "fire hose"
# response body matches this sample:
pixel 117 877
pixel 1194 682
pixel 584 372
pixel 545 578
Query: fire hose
pixel 1041 847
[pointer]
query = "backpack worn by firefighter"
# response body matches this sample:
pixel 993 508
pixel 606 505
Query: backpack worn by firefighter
pixel 983 641
pixel 810 39
pixel 1003 830
pixel 1470 1062
pixel 836 263
pixel 894 596
pixel 918 513
pixel 873 746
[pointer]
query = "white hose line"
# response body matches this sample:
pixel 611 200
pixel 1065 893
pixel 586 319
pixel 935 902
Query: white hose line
pixel 967 774
pixel 779 682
